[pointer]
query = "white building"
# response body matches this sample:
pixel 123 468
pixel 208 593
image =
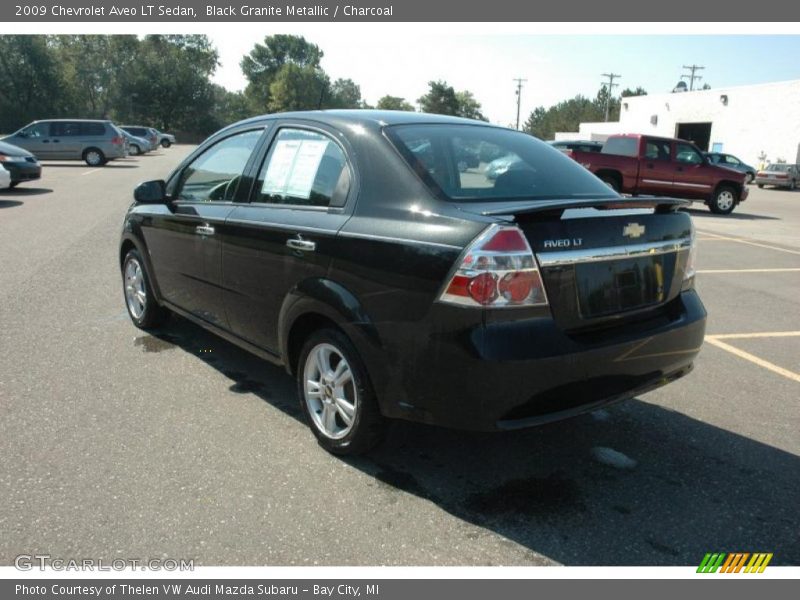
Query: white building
pixel 757 123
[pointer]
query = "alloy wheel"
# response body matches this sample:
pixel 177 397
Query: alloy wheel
pixel 330 391
pixel 135 292
pixel 725 200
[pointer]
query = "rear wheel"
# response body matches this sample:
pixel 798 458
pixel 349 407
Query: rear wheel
pixel 336 394
pixel 724 200
pixel 760 186
pixel 143 309
pixel 165 143
pixel 611 181
pixel 134 150
pixel 94 157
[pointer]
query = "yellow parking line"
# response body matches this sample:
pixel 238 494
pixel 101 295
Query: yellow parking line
pixel 712 271
pixel 754 359
pixel 741 241
pixel 764 334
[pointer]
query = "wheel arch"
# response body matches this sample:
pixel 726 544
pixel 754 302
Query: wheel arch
pixel 130 241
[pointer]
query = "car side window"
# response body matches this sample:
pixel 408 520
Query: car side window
pixel 92 129
pixel 38 130
pixel 684 153
pixel 656 150
pixel 64 129
pixel 214 175
pixel 303 168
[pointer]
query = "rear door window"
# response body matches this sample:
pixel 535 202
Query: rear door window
pixel 303 168
pixel 92 129
pixel 656 149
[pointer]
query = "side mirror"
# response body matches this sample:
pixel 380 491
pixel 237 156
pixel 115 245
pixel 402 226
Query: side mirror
pixel 151 192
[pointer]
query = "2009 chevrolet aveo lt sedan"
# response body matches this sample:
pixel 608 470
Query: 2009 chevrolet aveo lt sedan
pixel 394 280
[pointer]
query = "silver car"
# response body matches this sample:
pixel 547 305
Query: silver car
pixel 779 175
pixel 95 142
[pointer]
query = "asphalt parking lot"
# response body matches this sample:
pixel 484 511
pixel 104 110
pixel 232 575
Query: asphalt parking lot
pixel 119 444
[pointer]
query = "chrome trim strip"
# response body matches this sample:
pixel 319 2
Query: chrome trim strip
pixel 384 238
pixel 571 257
pixel 697 185
pixel 282 226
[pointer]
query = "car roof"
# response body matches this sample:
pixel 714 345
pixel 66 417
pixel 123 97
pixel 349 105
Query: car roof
pixel 73 121
pixel 370 118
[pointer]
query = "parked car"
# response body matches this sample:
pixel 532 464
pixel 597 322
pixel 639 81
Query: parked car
pixel 5 178
pixel 779 175
pixel 731 162
pixel 136 145
pixel 95 142
pixel 579 145
pixel 20 164
pixel 143 132
pixel 165 139
pixel 395 288
pixel 648 165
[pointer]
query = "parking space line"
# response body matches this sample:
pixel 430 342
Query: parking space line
pixel 753 359
pixel 90 172
pixel 745 336
pixel 742 241
pixel 712 271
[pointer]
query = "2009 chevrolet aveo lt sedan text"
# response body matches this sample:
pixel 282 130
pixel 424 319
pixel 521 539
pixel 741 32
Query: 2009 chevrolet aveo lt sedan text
pixel 360 250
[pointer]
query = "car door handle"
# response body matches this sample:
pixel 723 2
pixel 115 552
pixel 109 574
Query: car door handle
pixel 204 230
pixel 299 243
pixel 45 141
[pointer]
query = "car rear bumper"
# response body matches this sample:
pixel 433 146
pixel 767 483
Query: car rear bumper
pixel 522 373
pixel 23 171
pixel 774 182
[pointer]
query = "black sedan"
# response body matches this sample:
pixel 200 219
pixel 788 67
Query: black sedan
pixel 21 164
pixel 350 247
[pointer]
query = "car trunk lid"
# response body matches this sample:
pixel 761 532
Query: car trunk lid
pixel 602 260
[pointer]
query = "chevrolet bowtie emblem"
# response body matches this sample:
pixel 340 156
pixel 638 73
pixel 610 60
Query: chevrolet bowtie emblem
pixel 633 230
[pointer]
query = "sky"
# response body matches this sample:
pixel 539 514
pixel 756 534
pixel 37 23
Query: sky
pixel 556 67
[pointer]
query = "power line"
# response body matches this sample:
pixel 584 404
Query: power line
pixel 691 76
pixel 519 81
pixel 610 85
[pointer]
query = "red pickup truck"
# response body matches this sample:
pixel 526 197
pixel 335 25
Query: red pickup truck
pixel 649 165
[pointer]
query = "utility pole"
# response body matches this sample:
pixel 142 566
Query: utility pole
pixel 519 81
pixel 691 76
pixel 610 85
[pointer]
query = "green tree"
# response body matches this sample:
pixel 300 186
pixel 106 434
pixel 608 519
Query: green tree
pixel 394 103
pixel 265 61
pixel 343 93
pixel 564 116
pixel 443 99
pixel 297 87
pixel 32 84
pixel 628 92
pixel 169 84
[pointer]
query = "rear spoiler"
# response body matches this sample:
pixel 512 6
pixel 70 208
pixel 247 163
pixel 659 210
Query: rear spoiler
pixel 661 205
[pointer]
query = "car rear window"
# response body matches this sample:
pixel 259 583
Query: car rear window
pixel 474 162
pixel 621 146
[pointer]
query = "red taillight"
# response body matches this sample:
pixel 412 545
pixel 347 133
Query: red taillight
pixel 497 270
pixel 116 140
pixel 782 176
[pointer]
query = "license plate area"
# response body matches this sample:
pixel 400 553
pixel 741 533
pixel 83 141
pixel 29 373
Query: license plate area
pixel 616 286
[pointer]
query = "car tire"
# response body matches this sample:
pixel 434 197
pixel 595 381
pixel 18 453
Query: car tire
pixel 94 157
pixel 143 308
pixel 723 201
pixel 166 143
pixel 611 181
pixel 760 186
pixel 135 150
pixel 344 417
pixel 13 184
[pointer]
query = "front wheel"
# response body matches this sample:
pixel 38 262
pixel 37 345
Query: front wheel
pixel 143 309
pixel 724 200
pixel 134 150
pixel 336 395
